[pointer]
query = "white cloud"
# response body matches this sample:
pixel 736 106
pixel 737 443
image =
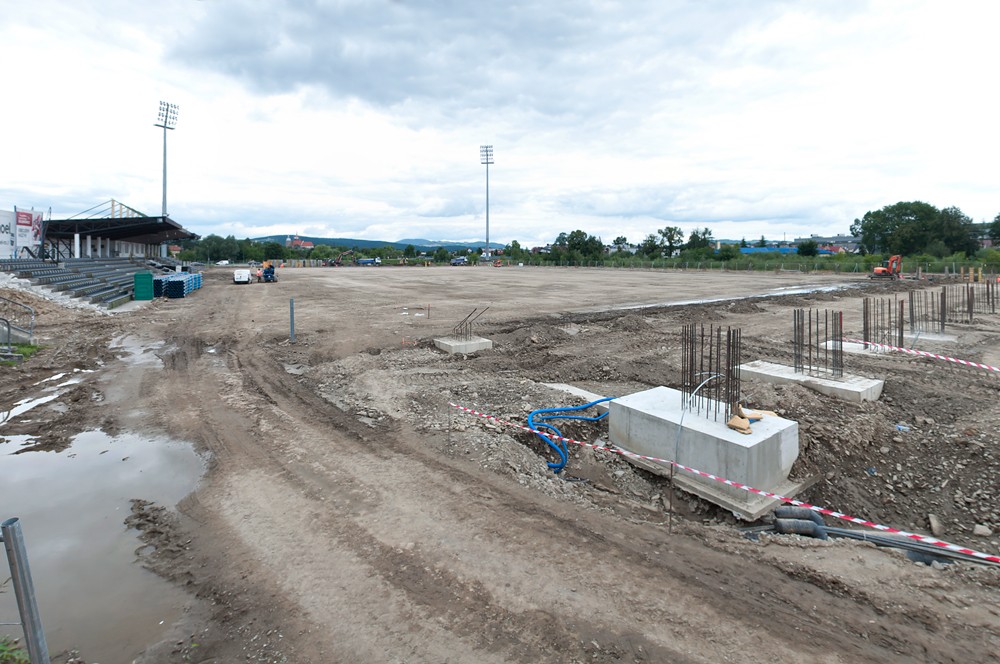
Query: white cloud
pixel 365 118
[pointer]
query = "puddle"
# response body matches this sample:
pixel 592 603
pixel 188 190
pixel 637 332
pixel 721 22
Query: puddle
pixel 60 375
pixel 774 292
pixel 138 354
pixel 92 595
pixel 24 405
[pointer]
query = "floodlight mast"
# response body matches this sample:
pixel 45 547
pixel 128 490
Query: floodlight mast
pixel 167 119
pixel 486 158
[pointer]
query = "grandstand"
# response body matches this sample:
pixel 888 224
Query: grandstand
pixel 95 255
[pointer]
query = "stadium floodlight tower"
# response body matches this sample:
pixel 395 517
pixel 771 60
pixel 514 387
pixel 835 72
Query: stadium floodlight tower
pixel 486 158
pixel 167 119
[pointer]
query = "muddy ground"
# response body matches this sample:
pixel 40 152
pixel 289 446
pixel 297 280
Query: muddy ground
pixel 349 514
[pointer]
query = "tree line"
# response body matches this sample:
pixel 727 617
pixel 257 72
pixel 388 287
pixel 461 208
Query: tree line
pixel 915 227
pixel 907 228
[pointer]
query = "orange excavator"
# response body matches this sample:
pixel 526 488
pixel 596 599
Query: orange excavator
pixel 889 269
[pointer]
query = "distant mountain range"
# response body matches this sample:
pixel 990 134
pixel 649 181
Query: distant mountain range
pixel 418 243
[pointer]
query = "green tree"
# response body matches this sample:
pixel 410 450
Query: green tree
pixel 903 228
pixel 513 250
pixel 937 249
pixel 762 243
pixel 650 247
pixel 441 255
pixel 672 239
pixel 729 252
pixel 410 251
pixel 956 230
pixel 322 251
pixel 272 251
pixel 588 247
pixel 699 239
pixel 808 248
pixel 743 243
pixel 621 242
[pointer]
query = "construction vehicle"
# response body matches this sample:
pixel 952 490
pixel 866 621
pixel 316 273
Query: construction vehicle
pixel 269 275
pixel 889 269
pixel 373 262
pixel 339 260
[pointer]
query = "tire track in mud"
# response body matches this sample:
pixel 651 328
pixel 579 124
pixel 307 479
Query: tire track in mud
pixel 790 606
pixel 356 495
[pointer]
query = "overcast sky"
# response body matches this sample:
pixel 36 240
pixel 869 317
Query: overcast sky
pixel 363 118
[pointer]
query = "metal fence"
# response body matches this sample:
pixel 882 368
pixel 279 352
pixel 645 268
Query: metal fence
pixel 21 318
pixel 24 591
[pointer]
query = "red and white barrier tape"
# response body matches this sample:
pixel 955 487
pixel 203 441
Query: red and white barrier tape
pixel 924 353
pixel 760 492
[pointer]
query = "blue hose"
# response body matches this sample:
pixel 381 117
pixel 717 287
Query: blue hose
pixel 558 445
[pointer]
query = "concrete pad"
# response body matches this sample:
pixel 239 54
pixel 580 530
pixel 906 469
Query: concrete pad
pixel 463 346
pixel 931 336
pixel 849 388
pixel 859 349
pixel 583 394
pixel 650 423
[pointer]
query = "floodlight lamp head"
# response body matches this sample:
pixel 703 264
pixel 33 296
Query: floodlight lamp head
pixel 486 154
pixel 167 117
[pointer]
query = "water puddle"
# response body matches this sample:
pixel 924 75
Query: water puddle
pixel 24 405
pixel 91 593
pixel 774 292
pixel 138 353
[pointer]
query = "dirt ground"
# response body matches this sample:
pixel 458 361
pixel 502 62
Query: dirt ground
pixel 350 515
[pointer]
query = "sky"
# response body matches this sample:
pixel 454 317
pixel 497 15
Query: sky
pixel 364 118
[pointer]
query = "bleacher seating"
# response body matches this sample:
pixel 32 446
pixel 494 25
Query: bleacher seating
pixel 108 282
pixel 104 281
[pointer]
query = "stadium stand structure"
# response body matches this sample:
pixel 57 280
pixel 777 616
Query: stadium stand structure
pixel 107 282
pixel 94 255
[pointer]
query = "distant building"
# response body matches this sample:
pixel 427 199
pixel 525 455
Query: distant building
pixel 295 243
pixel 834 244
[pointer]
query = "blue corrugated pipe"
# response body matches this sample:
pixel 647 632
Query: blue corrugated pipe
pixel 558 445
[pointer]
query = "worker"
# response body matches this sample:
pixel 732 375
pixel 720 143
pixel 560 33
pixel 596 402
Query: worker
pixel 260 273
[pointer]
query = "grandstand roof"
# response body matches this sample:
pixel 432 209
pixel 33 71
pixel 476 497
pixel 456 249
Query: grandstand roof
pixel 118 222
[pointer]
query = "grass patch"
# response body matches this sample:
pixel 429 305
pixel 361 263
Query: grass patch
pixel 10 653
pixel 27 350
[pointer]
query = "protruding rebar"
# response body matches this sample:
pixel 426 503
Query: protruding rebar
pixel 705 353
pixel 463 330
pixel 817 345
pixel 883 321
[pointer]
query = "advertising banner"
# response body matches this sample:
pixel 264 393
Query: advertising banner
pixel 28 230
pixel 6 234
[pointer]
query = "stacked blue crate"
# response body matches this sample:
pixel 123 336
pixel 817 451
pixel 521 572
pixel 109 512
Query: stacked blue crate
pixel 176 285
pixel 159 285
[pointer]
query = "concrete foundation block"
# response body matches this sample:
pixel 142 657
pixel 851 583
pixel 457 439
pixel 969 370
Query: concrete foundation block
pixel 849 388
pixel 582 393
pixel 463 346
pixel 648 423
